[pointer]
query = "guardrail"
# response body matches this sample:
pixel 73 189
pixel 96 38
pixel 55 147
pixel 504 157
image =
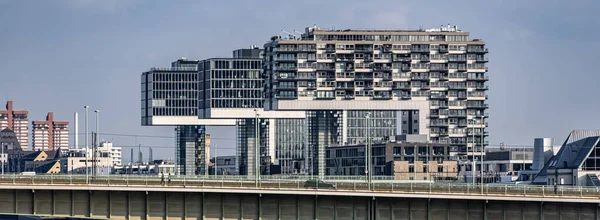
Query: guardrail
pixel 379 186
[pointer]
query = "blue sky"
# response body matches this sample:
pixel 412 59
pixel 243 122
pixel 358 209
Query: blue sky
pixel 61 55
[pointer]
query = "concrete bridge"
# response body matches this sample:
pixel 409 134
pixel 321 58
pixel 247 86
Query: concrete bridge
pixel 135 197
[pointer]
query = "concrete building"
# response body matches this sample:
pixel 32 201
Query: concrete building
pixel 50 134
pixel 402 160
pixel 17 121
pixel 224 165
pixel 107 149
pixel 405 82
pixel 499 161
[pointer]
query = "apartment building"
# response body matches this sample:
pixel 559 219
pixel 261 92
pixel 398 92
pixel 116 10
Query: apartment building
pixel 348 80
pixel 17 121
pixel 50 134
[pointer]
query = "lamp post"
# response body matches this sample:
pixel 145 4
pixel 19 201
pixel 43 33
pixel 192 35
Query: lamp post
pixel 368 151
pixel 473 151
pixel 256 148
pixel 216 159
pixel 97 141
pixel 481 155
pixel 87 150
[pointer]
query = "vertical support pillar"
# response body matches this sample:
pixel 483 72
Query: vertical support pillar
pixel 128 214
pixel 16 201
pixel 279 208
pixel 109 206
pixel 259 211
pixel 53 203
pixel 467 208
pixel 504 210
pixel 89 204
pixel 485 210
pixel 542 211
pixel 184 216
pixel 375 213
pixel 146 208
pixel 410 209
pixel 392 210
pixel 202 206
pixel 33 201
pixel 316 208
pixel 428 207
pixel 297 208
pixel 165 215
pixel 241 206
pixel 222 216
pixel 335 208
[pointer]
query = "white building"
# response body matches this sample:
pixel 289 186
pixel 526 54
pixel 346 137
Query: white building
pixel 107 149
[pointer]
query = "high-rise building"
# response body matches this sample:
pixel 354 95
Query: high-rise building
pixel 359 84
pixel 50 134
pixel 17 121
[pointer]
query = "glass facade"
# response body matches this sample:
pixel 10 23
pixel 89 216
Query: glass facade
pixel 291 151
pixel 174 92
pixel 381 126
pixel 188 144
pixel 246 145
pixel 230 83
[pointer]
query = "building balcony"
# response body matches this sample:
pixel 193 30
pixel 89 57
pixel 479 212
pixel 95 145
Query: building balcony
pixel 417 77
pixel 471 105
pixel 382 68
pixel 482 60
pixel 363 50
pixel 287 68
pixel 401 59
pixel 369 78
pixel 478 78
pixel 457 87
pixel 482 87
pixel 443 49
pixel 439 96
pixel 455 115
pixel 420 49
pixel 438 124
pixel 382 97
pixel 345 87
pixel 477 50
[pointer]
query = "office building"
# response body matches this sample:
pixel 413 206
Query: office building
pixel 50 134
pixel 402 160
pixel 227 92
pixel 394 81
pixel 17 121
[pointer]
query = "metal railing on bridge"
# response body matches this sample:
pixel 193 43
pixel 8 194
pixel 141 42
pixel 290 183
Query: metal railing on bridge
pixel 350 184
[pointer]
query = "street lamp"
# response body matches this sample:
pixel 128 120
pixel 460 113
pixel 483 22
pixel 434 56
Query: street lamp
pixel 473 151
pixel 97 141
pixel 481 155
pixel 367 151
pixel 86 143
pixel 256 148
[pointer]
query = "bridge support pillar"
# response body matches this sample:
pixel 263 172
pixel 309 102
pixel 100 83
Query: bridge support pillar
pixel 128 204
pixel 17 201
pixel 33 202
pixel 89 214
pixel 316 208
pixel 146 208
pixel 202 210
pixel 53 211
pixel 259 211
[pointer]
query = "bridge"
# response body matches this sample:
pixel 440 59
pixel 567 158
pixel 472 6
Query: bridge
pixel 150 197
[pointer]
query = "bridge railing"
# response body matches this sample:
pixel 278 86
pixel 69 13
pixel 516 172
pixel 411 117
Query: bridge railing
pixel 295 183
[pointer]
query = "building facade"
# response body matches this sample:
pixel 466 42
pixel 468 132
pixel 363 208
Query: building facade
pixel 50 134
pixel 17 121
pixel 388 82
pixel 403 161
